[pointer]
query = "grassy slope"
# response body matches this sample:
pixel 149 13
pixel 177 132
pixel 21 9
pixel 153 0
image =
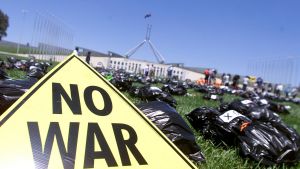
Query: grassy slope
pixel 16 74
pixel 13 49
pixel 217 157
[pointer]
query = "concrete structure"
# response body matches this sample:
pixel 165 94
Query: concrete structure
pixel 138 66
pixel 130 65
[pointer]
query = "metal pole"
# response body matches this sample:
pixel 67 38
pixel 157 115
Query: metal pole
pixel 33 34
pixel 298 71
pixel 40 27
pixel 132 51
pixel 273 71
pixel 22 28
pixel 37 34
pixel 45 37
pixel 160 58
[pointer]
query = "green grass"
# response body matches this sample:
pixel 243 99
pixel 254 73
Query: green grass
pixel 4 56
pixel 216 156
pixel 20 74
pixel 16 74
pixel 13 49
pixel 219 156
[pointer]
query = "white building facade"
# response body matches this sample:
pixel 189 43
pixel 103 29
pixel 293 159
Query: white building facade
pixel 138 66
pixel 132 65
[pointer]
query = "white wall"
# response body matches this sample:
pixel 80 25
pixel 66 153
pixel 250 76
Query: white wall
pixel 132 65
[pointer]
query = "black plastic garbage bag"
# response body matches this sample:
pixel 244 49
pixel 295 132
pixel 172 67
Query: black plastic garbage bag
pixel 201 89
pixel 209 89
pixel 174 89
pixel 268 143
pixel 134 91
pixel 3 74
pixel 12 89
pixel 8 95
pixel 265 103
pixel 296 100
pixel 261 113
pixel 139 79
pixel 151 80
pixel 278 108
pixel 174 127
pixel 36 73
pixel 252 110
pixel 249 94
pixel 148 93
pixel 20 84
pixel 23 84
pixel 214 125
pixel 2 64
pixel 210 96
pixel 122 83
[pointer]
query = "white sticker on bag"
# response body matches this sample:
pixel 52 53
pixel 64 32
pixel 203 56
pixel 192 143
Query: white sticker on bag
pixel 263 101
pixel 155 88
pixel 230 115
pixel 213 97
pixel 246 101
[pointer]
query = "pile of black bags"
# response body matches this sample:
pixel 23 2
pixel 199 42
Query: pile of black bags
pixel 214 97
pixel 12 89
pixel 8 95
pixel 120 79
pixel 174 127
pixel 148 93
pixel 259 133
pixel 209 89
pixel 122 83
pixel 174 89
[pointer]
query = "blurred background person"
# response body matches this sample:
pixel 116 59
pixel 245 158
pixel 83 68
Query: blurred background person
pixel 88 57
pixel 245 82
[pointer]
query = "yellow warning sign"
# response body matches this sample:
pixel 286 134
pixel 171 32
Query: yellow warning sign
pixel 73 119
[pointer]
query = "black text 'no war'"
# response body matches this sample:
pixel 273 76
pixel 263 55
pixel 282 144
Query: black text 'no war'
pixel 42 151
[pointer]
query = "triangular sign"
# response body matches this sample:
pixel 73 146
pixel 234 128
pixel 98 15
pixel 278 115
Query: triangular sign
pixel 73 118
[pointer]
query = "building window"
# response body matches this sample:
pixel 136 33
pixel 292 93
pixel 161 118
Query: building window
pixel 118 63
pixel 115 62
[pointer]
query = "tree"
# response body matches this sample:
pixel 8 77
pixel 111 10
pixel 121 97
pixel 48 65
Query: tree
pixel 3 24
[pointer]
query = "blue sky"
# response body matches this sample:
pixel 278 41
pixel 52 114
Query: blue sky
pixel 225 34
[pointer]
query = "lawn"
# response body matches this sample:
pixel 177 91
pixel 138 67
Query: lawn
pixel 216 156
pixel 219 157
pixel 13 49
